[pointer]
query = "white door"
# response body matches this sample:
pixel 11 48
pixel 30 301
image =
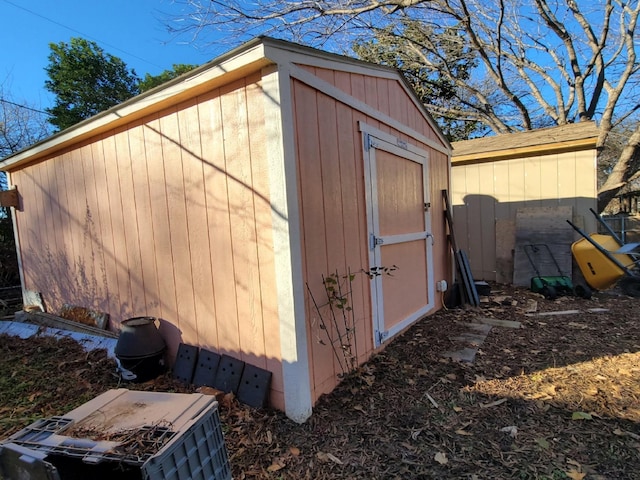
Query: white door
pixel 399 223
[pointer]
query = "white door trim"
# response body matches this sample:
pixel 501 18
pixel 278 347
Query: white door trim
pixel 373 140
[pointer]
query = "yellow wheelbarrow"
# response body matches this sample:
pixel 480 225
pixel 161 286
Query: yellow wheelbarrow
pixel 605 260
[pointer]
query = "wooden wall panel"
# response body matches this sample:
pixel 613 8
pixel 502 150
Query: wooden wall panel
pixel 40 178
pixel 170 217
pixel 354 209
pixel 219 224
pixel 83 266
pixel 331 182
pixel 104 240
pixel 500 184
pixel 312 214
pixel 95 201
pixel 532 178
pixel 121 298
pixel 131 253
pixel 382 89
pixel 372 94
pixel 183 317
pixel 243 228
pixel 549 178
pixel 30 232
pixel 164 306
pixel 507 185
pixel 332 201
pixel 196 218
pixel 67 256
pixel 25 181
pixel 586 187
pixel 147 299
pixel 271 357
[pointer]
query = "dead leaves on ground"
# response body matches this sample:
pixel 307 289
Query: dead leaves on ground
pixel 539 402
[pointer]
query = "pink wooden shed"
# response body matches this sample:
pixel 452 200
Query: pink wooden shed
pixel 218 201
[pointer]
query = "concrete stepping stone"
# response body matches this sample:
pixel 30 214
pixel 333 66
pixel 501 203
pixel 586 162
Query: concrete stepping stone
pixel 495 322
pixel 464 355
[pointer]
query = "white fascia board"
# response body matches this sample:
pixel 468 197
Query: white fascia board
pixel 179 88
pixel 290 53
pixel 287 240
pixel 325 87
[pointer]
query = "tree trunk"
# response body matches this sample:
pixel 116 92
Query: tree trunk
pixel 622 171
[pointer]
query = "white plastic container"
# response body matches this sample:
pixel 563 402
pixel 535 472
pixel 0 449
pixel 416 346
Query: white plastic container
pixel 124 434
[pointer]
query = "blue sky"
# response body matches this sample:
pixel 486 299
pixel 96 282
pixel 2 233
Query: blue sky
pixel 133 30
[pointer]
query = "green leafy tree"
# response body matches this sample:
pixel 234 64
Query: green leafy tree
pixel 152 81
pixel 437 64
pixel 85 81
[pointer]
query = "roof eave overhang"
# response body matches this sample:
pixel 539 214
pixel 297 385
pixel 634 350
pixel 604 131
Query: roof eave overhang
pixel 238 63
pixel 233 65
pixel 523 152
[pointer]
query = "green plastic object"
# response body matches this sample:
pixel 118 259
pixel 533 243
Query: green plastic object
pixel 550 287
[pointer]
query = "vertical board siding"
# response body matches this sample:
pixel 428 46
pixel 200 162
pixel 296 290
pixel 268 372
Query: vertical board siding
pixel 169 217
pixel 440 179
pixel 120 299
pixel 219 223
pixel 243 227
pixel 313 228
pixel 351 173
pixel 104 241
pixel 269 355
pixel 490 192
pixel 184 316
pixel 142 217
pixel 130 255
pixel 196 221
pixel 332 200
pixel 160 249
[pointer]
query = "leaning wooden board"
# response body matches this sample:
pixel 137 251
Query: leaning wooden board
pixel 470 293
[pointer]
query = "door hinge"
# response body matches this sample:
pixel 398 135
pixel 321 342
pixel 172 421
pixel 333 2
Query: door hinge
pixel 430 235
pixel 375 241
pixel 369 143
pixel 382 336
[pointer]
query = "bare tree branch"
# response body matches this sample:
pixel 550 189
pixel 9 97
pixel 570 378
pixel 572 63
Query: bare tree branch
pixel 540 62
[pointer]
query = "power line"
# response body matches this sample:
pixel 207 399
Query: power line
pixel 24 106
pixel 81 33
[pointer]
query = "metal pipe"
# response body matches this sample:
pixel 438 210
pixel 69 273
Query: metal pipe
pixel 605 225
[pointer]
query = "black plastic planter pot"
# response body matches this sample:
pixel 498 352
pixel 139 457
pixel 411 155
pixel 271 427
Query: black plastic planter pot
pixel 140 348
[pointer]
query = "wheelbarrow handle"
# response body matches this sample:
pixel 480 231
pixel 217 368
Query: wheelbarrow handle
pixel 606 226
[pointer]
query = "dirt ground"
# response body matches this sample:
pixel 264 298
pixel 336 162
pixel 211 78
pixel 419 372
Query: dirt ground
pixel 557 398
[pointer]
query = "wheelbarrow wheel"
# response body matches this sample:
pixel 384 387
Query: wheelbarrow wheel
pixel 582 291
pixel 549 292
pixel 630 286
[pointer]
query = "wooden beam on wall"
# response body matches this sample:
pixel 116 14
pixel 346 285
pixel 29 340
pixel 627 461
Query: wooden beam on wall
pixel 9 198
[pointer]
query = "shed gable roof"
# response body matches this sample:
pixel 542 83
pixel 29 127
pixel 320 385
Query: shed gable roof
pixel 574 136
pixel 248 58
